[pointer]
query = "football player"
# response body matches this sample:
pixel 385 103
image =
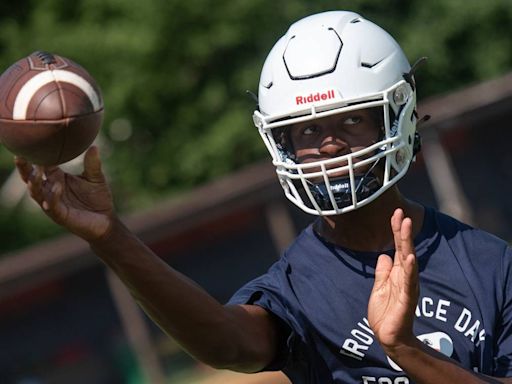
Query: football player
pixel 379 288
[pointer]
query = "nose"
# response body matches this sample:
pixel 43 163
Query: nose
pixel 332 145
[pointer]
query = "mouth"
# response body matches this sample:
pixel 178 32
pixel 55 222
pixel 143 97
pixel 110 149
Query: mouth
pixel 341 189
pixel 335 169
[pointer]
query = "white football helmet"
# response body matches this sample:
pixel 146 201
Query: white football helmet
pixel 330 63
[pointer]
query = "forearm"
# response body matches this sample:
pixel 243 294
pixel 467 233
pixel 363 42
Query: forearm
pixel 425 365
pixel 207 330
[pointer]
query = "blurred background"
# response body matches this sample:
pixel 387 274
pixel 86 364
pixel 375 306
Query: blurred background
pixel 191 176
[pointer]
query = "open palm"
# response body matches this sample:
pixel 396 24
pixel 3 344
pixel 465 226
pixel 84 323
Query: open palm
pixel 395 292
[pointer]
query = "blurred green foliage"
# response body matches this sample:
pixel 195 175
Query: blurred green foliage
pixel 175 73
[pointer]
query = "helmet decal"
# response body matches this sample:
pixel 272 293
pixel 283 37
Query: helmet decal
pixel 315 97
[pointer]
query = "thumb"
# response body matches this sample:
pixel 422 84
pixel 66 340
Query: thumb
pixel 382 271
pixel 92 166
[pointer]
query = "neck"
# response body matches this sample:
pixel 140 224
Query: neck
pixel 368 228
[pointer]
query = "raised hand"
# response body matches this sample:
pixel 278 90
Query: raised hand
pixel 395 291
pixel 81 203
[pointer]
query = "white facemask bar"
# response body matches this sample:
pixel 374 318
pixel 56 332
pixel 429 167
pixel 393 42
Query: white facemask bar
pixel 288 171
pixel 293 194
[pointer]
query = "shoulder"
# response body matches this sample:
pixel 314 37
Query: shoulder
pixel 456 231
pixel 484 259
pixel 482 252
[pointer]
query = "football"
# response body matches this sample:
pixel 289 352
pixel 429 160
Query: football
pixel 51 109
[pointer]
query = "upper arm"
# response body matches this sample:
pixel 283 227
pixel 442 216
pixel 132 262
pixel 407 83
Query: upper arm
pixel 257 337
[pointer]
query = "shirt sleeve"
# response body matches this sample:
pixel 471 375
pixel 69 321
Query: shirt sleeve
pixel 503 355
pixel 266 291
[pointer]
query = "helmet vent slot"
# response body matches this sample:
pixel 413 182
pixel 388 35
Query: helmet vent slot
pixel 370 65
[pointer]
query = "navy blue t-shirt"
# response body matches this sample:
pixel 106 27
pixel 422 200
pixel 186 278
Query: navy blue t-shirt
pixel 320 293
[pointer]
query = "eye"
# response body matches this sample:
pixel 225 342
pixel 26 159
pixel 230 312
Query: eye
pixel 352 120
pixel 310 130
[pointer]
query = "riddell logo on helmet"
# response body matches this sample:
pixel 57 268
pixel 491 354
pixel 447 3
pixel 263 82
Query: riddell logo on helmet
pixel 315 97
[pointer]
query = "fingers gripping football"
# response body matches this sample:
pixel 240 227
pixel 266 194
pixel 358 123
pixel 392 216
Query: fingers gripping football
pixel 92 167
pixel 82 204
pixel 42 186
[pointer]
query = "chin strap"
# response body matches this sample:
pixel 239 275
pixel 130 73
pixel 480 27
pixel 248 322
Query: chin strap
pixel 254 97
pixel 417 137
pixel 366 185
pixel 416 147
pixel 409 76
